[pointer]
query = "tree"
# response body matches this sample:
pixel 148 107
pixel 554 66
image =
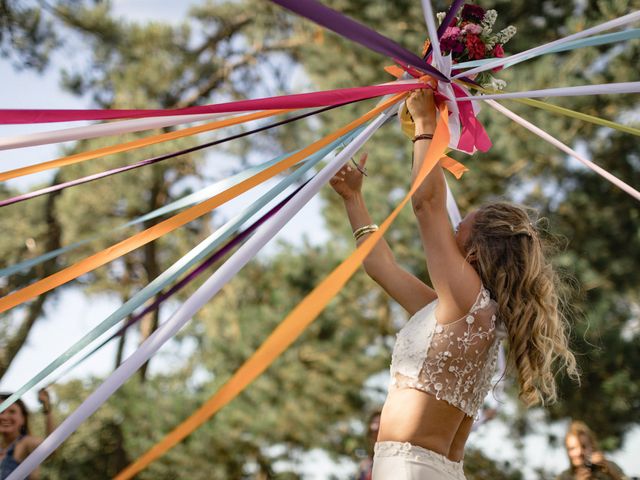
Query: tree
pixel 324 373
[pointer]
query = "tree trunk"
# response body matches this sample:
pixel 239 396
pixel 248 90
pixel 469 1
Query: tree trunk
pixel 35 308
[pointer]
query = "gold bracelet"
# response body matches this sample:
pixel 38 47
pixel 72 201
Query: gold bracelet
pixel 364 230
pixel 358 230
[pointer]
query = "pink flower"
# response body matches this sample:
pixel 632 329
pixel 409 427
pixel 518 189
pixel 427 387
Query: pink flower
pixel 473 28
pixel 451 40
pixel 475 47
pixel 451 32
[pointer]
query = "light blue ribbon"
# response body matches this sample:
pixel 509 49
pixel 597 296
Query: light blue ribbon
pixel 183 202
pixel 172 273
pixel 586 42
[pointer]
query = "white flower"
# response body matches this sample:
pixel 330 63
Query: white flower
pixel 438 386
pixel 497 84
pixel 490 17
pixel 470 319
pixel 440 16
pixel 506 34
pixel 439 329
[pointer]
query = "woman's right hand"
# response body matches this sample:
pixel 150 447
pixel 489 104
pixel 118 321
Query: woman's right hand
pixel 348 180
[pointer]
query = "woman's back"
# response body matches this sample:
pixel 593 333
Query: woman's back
pixel 440 374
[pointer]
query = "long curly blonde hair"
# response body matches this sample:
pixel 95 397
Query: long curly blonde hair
pixel 509 254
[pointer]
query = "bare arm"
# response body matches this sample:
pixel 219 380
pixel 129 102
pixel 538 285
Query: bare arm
pixel 454 279
pixel 45 401
pixel 411 293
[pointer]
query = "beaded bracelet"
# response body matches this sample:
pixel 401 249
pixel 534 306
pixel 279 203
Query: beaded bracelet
pixel 423 136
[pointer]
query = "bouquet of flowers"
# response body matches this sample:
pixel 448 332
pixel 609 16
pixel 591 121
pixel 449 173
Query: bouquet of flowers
pixel 470 37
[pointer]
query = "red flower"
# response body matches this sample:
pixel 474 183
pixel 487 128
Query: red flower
pixel 475 47
pixel 498 52
pixel 472 12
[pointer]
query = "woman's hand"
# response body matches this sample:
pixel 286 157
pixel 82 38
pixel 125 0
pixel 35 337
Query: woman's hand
pixel 422 107
pixel 348 181
pixel 43 398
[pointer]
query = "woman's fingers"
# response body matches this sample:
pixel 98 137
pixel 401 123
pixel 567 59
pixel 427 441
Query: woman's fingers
pixel 363 159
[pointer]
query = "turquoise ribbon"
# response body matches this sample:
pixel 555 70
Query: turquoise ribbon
pixel 585 42
pixel 172 273
pixel 183 202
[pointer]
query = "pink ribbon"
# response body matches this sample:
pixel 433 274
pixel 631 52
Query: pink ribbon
pixel 472 134
pixel 301 100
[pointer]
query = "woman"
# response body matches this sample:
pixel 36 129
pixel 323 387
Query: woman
pixel 490 280
pixel 585 459
pixel 17 443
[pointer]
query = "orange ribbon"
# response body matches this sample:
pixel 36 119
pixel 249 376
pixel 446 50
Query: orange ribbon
pixel 94 261
pixel 142 142
pixel 295 323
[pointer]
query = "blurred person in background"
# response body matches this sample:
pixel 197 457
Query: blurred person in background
pixel 17 442
pixel 586 460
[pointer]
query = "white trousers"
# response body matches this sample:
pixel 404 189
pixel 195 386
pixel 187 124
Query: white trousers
pixel 403 461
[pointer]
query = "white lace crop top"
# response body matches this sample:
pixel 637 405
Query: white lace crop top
pixel 454 362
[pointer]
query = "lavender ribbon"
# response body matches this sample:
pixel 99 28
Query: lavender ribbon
pixel 217 255
pixel 357 32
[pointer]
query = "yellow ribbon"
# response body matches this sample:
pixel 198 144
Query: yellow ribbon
pixel 561 110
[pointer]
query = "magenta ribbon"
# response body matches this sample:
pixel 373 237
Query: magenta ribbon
pixel 472 133
pixel 349 28
pixel 300 100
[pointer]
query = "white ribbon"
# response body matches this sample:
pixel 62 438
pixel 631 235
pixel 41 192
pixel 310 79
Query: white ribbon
pixel 557 143
pixel 618 22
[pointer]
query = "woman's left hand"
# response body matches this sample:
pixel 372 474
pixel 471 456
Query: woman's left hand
pixel 43 398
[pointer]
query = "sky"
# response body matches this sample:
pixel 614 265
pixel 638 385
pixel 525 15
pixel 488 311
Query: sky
pixel 73 312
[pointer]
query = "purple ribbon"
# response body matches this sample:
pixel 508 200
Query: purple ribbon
pixel 451 14
pixel 151 161
pixel 213 258
pixel 349 28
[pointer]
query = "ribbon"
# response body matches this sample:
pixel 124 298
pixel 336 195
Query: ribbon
pixel 191 199
pixel 173 272
pixel 434 33
pixel 134 144
pixel 451 14
pixel 600 89
pixel 166 226
pixel 587 42
pixel 349 28
pixel 189 308
pixel 216 256
pixel 296 322
pixel 557 143
pixel 569 113
pixel 296 101
pixel 618 22
pixel 154 160
pixel 100 130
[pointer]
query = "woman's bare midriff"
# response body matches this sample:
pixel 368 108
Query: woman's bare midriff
pixel 419 418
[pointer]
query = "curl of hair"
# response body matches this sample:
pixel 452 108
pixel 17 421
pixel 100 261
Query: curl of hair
pixel 510 256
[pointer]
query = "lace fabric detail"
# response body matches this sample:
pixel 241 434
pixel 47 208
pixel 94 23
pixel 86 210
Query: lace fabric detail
pixel 454 362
